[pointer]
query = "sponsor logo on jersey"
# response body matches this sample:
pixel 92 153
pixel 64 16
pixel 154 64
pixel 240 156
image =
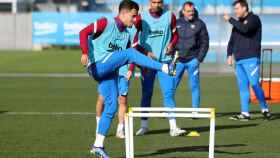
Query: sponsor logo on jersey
pixel 114 47
pixel 156 33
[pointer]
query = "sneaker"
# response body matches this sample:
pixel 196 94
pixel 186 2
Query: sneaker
pixel 99 152
pixel 120 134
pixel 266 115
pixel 177 132
pixel 142 131
pixel 240 117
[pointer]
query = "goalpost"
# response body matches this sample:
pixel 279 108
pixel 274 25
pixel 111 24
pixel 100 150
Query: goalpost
pixel 167 112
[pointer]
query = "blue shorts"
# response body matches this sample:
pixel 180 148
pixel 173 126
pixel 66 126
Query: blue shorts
pixel 123 85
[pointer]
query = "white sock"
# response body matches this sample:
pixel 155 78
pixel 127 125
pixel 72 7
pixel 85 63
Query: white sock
pixel 172 123
pixel 144 123
pixel 245 113
pixel 99 141
pixel 165 68
pixel 120 127
pixel 265 110
pixel 97 124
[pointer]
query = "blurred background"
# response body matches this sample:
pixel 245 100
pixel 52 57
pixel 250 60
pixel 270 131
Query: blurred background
pixel 39 24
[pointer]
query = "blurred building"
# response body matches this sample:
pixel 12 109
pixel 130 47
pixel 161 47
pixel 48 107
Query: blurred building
pixel 58 22
pixel 8 6
pixel 204 6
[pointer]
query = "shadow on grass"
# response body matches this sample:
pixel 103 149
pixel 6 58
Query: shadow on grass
pixel 275 116
pixel 3 112
pixel 206 128
pixel 196 149
pixel 224 114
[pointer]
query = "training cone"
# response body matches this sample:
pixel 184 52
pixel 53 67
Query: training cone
pixel 193 134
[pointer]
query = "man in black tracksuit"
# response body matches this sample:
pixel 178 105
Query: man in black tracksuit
pixel 245 47
pixel 192 46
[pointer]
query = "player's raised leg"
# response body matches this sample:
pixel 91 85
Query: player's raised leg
pixel 114 61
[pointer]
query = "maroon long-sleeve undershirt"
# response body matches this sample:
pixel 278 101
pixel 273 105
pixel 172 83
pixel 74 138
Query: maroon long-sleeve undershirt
pixel 94 29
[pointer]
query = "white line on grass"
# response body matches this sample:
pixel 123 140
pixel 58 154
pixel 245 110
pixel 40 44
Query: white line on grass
pixel 51 75
pixel 48 113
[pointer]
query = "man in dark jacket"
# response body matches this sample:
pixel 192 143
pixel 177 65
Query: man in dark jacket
pixel 192 46
pixel 245 47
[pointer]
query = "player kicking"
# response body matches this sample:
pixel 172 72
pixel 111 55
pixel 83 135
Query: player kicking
pixel 125 74
pixel 110 43
pixel 158 37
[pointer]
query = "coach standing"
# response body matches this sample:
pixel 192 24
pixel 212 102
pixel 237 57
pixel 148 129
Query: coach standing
pixel 192 45
pixel 245 47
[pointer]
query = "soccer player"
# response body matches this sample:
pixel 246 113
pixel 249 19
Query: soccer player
pixel 245 47
pixel 125 74
pixel 192 46
pixel 110 43
pixel 158 37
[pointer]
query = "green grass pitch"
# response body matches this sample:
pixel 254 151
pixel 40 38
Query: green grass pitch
pixel 70 136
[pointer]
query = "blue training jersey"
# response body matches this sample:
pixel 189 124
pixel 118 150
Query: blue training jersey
pixel 132 33
pixel 156 34
pixel 109 41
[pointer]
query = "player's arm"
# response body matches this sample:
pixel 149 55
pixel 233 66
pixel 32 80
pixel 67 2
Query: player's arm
pixel 136 45
pixel 230 49
pixel 174 36
pixel 138 25
pixel 95 29
pixel 204 43
pixel 130 71
pixel 251 24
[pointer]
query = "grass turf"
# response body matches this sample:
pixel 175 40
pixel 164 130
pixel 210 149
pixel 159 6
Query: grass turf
pixel 47 61
pixel 59 136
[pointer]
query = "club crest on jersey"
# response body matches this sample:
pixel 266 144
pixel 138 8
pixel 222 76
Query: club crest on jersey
pixel 192 26
pixel 121 37
pixel 114 47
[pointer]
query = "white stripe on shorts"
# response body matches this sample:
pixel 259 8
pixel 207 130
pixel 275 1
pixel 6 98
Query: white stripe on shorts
pixel 254 71
pixel 195 72
pixel 107 57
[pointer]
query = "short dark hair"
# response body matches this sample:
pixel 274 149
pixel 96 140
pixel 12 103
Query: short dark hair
pixel 243 3
pixel 129 5
pixel 188 3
